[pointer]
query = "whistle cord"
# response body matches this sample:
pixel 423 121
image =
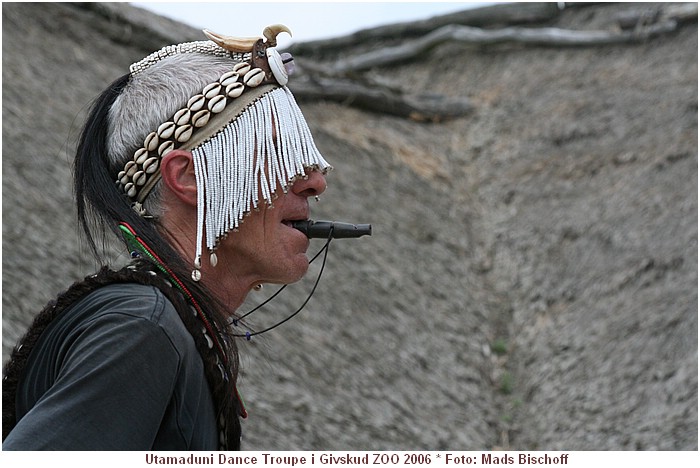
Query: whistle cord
pixel 235 321
pixel 248 335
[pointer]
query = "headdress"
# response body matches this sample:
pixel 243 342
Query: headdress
pixel 245 130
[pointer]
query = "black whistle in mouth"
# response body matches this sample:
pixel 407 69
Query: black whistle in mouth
pixel 334 229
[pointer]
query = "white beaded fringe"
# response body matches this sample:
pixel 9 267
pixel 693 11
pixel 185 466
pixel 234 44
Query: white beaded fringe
pixel 247 159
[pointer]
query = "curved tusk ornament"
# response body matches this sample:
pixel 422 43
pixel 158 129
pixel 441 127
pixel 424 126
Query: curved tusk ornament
pixel 271 33
pixel 232 44
pixel 246 44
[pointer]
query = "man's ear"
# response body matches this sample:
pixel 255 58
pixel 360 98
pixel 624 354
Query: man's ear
pixel 177 171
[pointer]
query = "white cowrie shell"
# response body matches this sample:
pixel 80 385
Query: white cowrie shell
pixel 130 189
pixel 241 68
pixel 123 178
pixel 151 141
pixel 166 147
pixel 201 118
pixel 150 166
pixel 196 275
pixel 184 133
pixel 217 104
pixel 210 343
pixel 130 168
pixel 166 130
pixel 182 117
pixel 277 67
pixel 140 155
pixel 254 77
pixel 196 102
pixel 228 78
pixel 234 90
pixel 140 178
pixel 211 90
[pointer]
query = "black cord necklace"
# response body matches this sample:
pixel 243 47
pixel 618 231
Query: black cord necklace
pixel 248 335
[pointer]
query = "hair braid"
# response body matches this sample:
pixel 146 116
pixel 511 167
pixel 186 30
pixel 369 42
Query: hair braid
pixel 102 206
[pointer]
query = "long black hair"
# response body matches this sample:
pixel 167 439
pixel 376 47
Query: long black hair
pixel 101 207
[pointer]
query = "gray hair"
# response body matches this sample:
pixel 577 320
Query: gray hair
pixel 152 97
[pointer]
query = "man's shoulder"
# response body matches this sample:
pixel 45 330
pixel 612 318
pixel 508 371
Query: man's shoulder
pixel 125 303
pixel 132 299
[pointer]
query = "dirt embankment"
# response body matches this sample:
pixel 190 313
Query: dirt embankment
pixel 532 278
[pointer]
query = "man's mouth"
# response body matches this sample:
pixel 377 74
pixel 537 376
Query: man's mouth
pixel 290 222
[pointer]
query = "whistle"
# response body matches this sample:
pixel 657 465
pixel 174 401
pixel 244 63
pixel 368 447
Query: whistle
pixel 334 229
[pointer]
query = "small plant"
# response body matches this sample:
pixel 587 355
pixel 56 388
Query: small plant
pixel 499 346
pixel 509 415
pixel 506 386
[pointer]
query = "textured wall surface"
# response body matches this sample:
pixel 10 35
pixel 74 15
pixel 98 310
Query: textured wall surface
pixel 531 282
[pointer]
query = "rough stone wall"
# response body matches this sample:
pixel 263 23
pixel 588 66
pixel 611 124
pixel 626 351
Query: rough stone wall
pixel 531 282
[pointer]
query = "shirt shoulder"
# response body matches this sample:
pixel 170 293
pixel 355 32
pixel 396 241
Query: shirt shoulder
pixel 119 357
pixel 125 299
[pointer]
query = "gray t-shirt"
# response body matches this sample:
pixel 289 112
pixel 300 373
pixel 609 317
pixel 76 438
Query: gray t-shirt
pixel 117 371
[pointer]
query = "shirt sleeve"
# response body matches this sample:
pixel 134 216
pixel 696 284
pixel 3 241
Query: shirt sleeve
pixel 113 385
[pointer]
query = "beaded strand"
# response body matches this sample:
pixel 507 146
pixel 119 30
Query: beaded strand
pixel 242 163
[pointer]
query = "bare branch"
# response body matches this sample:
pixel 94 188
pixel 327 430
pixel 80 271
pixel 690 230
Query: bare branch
pixel 640 17
pixel 377 98
pixel 552 37
pixel 503 15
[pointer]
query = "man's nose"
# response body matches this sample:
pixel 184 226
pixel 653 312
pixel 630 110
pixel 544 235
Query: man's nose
pixel 312 186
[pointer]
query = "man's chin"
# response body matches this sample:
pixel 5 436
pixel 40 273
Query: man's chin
pixel 295 272
pixel 301 269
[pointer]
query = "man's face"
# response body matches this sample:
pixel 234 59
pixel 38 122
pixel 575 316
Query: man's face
pixel 266 249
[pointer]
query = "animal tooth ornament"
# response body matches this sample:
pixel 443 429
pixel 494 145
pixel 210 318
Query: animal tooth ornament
pixel 237 44
pixel 245 128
